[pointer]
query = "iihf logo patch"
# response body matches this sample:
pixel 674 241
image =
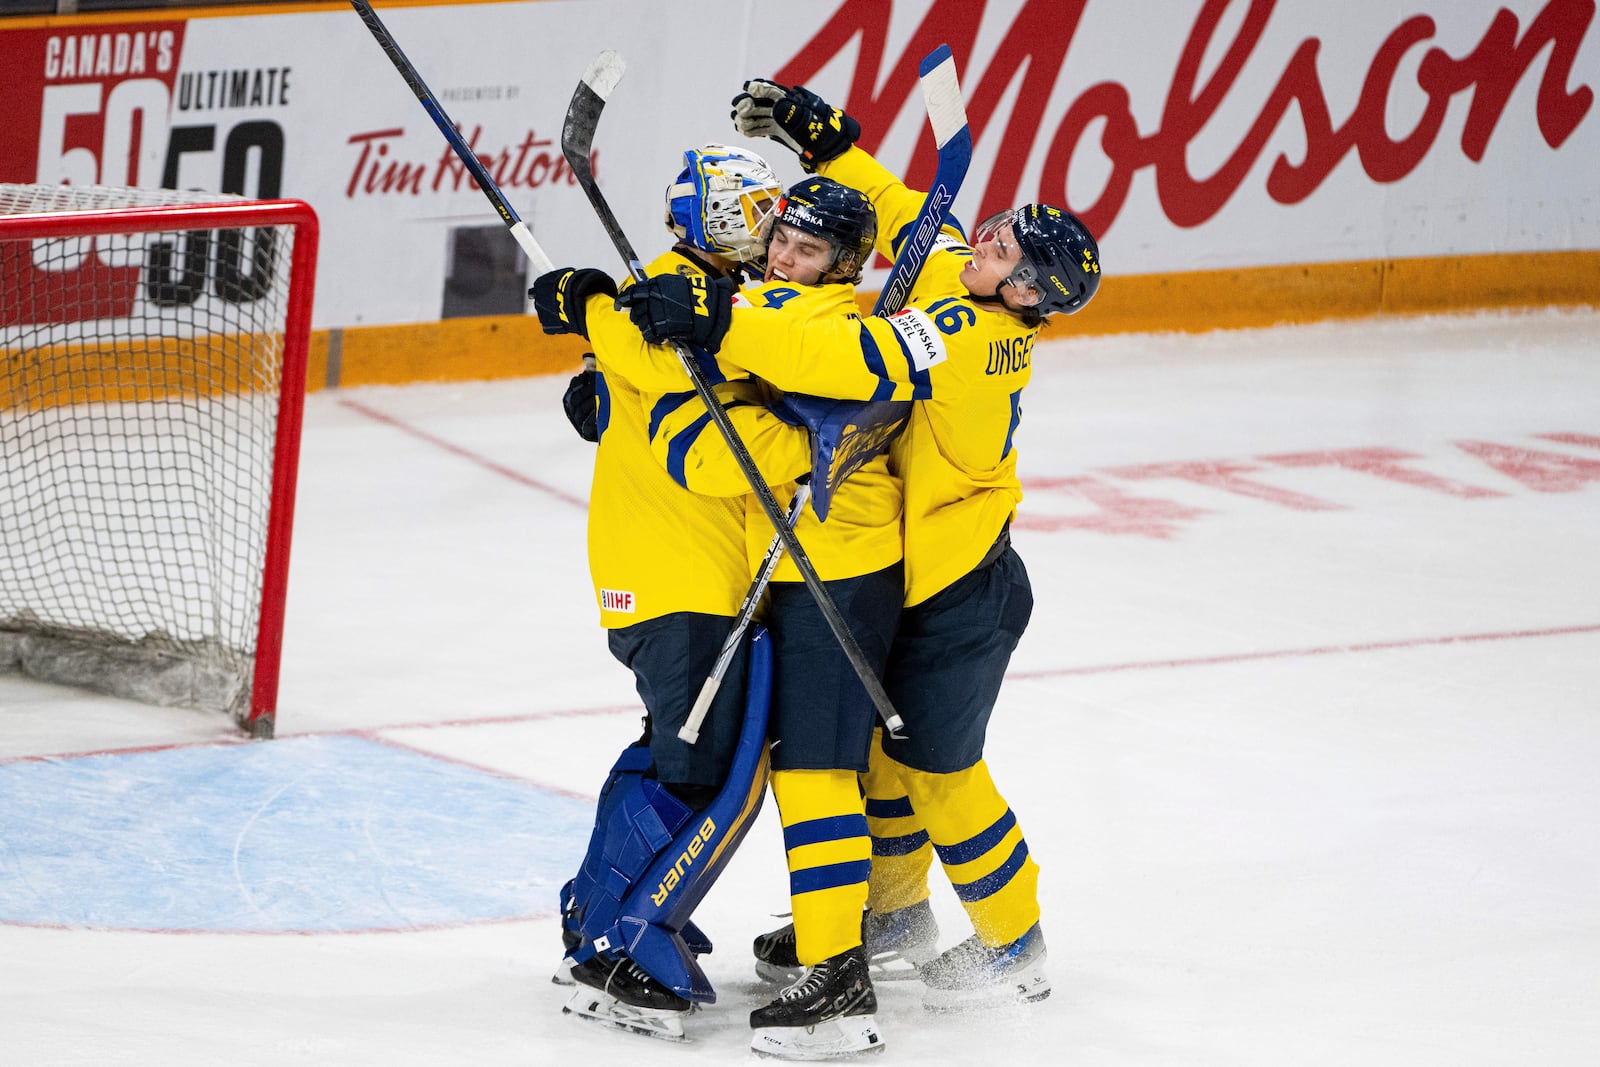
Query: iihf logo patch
pixel 617 600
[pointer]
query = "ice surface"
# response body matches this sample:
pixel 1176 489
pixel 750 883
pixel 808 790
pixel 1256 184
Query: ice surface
pixel 1303 736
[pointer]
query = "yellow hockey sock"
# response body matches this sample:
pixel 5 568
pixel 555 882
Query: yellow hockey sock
pixel 902 853
pixel 825 835
pixel 981 847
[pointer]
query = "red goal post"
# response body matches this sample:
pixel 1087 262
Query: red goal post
pixel 153 349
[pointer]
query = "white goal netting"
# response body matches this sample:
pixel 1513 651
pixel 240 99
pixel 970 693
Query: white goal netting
pixel 142 364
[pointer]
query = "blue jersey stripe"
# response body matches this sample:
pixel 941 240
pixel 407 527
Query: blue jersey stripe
pixel 666 406
pixel 872 356
pixel 709 366
pixel 602 393
pixel 1016 420
pixel 678 448
pixel 921 386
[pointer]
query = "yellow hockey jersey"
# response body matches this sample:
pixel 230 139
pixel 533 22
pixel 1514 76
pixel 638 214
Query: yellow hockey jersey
pixel 654 547
pixel 966 363
pixel 863 532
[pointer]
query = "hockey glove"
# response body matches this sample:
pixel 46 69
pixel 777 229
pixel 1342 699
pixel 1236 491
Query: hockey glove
pixel 579 401
pixel 796 117
pixel 694 309
pixel 558 298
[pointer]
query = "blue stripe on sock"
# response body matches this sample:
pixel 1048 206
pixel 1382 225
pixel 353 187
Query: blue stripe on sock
pixel 903 845
pixel 831 876
pixel 991 884
pixel 831 828
pixel 979 844
pixel 898 808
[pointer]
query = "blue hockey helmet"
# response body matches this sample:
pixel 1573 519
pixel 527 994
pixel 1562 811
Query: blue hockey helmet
pixel 721 200
pixel 838 214
pixel 1060 260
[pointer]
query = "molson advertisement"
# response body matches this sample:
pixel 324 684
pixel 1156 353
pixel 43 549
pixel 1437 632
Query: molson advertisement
pixel 1190 135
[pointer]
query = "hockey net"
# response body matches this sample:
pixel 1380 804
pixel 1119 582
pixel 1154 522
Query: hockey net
pixel 152 370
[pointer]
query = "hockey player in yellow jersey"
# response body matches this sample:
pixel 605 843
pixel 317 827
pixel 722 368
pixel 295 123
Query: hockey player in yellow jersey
pixel 822 719
pixel 962 349
pixel 668 566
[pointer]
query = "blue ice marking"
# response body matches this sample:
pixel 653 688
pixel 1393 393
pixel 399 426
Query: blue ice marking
pixel 296 834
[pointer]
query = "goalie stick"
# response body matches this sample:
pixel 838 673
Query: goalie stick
pixel 947 114
pixel 577 137
pixel 519 230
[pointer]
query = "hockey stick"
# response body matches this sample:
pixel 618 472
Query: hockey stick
pixel 577 137
pixel 519 229
pixel 690 730
pixel 947 114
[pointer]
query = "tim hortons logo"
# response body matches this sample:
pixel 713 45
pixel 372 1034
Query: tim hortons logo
pixel 1034 49
pixel 530 163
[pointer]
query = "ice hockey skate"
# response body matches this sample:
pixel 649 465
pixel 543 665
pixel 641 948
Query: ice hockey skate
pixel 827 1014
pixel 618 994
pixel 896 943
pixel 974 976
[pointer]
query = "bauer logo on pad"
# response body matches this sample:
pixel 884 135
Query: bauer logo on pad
pixel 617 600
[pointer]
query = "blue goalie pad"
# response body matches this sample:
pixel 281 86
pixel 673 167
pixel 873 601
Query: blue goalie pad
pixel 572 929
pixel 695 940
pixel 642 910
pixel 581 892
pixel 845 434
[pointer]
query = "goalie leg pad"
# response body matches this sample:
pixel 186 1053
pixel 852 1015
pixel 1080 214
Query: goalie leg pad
pixel 642 823
pixel 577 893
pixel 648 918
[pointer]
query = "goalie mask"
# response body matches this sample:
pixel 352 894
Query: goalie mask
pixel 721 200
pixel 838 214
pixel 1060 260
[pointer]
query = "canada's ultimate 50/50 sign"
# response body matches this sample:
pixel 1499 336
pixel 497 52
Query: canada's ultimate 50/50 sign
pixel 1204 134
pixel 114 108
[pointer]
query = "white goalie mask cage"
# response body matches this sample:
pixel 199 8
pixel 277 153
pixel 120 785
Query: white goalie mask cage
pixel 721 200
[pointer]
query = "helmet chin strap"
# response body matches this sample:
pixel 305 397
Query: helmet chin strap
pixel 996 300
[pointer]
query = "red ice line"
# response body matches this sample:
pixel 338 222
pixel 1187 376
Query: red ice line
pixel 1120 512
pixel 378 733
pixel 1541 471
pixel 1317 650
pixel 465 453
